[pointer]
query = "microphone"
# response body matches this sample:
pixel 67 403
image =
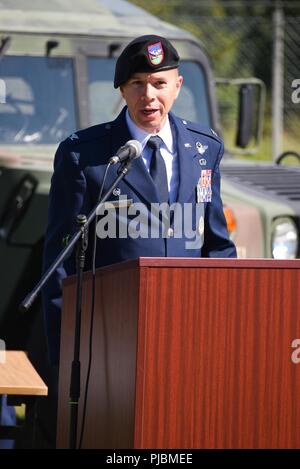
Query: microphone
pixel 130 151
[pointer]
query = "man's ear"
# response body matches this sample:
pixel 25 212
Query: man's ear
pixel 178 85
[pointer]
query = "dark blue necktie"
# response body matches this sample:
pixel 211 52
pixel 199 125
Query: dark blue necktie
pixel 158 170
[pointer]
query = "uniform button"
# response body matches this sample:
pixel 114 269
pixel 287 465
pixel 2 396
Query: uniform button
pixel 170 232
pixel 117 192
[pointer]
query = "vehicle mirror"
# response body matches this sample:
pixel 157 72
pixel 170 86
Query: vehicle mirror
pixel 245 129
pixel 242 100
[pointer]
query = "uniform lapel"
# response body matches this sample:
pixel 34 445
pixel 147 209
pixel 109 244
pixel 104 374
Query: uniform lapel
pixel 188 161
pixel 138 177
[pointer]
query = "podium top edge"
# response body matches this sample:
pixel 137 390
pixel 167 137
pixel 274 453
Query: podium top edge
pixel 217 262
pixel 187 262
pixel 204 263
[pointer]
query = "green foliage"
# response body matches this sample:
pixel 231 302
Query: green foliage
pixel 223 30
pixel 238 37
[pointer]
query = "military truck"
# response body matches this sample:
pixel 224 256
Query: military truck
pixel 56 71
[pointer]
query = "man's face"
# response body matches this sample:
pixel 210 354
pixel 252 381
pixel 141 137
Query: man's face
pixel 150 96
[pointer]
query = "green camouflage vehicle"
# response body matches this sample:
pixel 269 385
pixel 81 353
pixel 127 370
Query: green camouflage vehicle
pixel 57 61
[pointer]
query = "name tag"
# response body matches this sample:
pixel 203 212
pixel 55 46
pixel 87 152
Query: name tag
pixel 120 203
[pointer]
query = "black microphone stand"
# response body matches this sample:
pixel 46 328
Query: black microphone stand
pixel 81 238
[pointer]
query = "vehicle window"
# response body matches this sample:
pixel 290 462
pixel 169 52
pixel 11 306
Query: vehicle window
pixel 192 102
pixel 39 105
pixel 105 102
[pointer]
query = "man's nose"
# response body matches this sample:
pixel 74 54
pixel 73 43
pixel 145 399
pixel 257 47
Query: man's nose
pixel 148 92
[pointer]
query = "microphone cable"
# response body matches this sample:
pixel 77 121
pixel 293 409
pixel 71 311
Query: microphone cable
pixel 94 246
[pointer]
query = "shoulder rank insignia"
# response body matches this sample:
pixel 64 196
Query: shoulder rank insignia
pixel 74 137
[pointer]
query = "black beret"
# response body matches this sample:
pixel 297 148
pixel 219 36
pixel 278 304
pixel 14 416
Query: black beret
pixel 145 54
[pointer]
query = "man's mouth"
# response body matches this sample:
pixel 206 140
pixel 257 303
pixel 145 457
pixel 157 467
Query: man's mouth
pixel 149 112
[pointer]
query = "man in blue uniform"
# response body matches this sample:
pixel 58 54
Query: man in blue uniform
pixel 179 165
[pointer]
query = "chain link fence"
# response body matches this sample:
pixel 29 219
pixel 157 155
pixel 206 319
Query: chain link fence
pixel 239 37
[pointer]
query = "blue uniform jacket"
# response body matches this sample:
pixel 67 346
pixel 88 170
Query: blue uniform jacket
pixel 79 167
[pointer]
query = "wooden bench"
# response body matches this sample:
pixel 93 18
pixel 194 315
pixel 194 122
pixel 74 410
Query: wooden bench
pixel 22 385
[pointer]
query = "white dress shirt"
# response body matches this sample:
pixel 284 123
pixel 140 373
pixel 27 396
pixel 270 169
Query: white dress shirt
pixel 168 151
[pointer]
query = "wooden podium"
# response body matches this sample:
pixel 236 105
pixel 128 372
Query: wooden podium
pixel 187 353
